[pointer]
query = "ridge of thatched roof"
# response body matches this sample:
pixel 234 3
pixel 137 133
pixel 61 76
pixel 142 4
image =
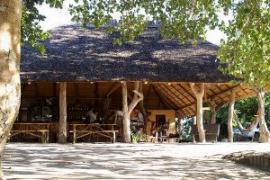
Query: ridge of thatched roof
pixel 88 54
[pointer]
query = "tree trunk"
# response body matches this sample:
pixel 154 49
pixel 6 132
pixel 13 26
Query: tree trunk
pixel 141 103
pixel 127 109
pixel 230 117
pixel 126 116
pixel 62 135
pixel 264 132
pixel 199 110
pixel 10 87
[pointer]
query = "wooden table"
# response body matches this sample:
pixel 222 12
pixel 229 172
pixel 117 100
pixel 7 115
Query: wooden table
pixel 79 130
pixel 40 130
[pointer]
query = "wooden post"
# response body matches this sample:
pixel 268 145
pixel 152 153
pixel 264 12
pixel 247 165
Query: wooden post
pixel 74 134
pixel 199 110
pixel 230 117
pixel 126 116
pixel 62 134
pixel 213 113
pixel 128 108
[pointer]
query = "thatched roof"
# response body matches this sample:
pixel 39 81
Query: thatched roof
pixel 78 54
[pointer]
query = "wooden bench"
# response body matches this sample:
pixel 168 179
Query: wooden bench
pixel 81 130
pixel 39 130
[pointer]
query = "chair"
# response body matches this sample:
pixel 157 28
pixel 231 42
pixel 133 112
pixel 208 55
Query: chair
pixel 211 132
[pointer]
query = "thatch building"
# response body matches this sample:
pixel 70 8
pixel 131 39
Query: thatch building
pixel 82 69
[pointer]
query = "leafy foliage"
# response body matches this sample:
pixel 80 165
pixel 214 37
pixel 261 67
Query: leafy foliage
pixel 184 127
pixel 245 109
pixel 32 32
pixel 247 48
pixel 182 19
pixel 247 45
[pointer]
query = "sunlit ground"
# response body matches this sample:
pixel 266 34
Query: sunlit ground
pixel 124 161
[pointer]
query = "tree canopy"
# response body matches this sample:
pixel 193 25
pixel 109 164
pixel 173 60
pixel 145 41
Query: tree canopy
pixel 32 33
pixel 247 48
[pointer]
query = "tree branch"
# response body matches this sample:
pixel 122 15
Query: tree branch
pixel 137 97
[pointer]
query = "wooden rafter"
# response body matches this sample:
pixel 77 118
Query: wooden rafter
pixel 175 95
pixel 170 104
pixel 187 91
pixel 187 97
pixel 172 98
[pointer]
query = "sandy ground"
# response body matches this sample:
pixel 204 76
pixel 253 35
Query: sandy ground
pixel 128 161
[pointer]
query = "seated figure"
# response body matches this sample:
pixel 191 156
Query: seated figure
pixel 250 130
pixel 92 114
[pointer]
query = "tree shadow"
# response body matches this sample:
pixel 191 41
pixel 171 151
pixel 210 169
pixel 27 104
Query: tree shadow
pixel 107 161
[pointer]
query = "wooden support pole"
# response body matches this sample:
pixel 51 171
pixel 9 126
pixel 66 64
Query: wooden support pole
pixel 213 113
pixel 62 134
pixel 126 116
pixel 74 134
pixel 230 116
pixel 128 108
pixel 199 92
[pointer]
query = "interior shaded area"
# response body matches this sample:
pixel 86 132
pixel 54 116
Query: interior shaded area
pixel 163 103
pixel 107 96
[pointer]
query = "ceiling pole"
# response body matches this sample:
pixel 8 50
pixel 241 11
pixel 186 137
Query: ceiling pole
pixel 199 92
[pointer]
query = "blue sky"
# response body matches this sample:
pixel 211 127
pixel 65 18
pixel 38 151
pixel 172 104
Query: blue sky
pixel 59 17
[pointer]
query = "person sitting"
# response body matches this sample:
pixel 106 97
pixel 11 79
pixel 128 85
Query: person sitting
pixel 137 117
pixel 92 114
pixel 250 130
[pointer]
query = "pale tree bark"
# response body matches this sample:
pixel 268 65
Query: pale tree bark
pixel 62 134
pixel 128 108
pixel 230 117
pixel 10 88
pixel 264 132
pixel 199 92
pixel 194 120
